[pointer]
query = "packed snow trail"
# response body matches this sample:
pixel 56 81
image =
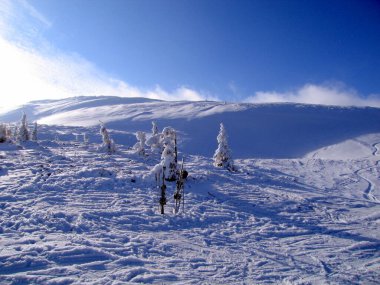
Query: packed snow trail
pixel 70 215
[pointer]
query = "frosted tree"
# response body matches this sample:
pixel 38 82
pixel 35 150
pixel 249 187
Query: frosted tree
pixel 222 156
pixel 168 163
pixel 34 132
pixel 8 132
pixel 155 141
pixel 168 136
pixel 168 155
pixel 154 128
pixel 15 133
pixel 108 144
pixel 23 132
pixel 3 133
pixel 85 138
pixel 169 139
pixel 140 145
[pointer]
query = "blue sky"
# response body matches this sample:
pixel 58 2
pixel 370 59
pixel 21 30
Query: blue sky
pixel 257 51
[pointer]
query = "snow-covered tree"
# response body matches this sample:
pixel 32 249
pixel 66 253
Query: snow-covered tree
pixel 168 136
pixel 34 132
pixel 108 144
pixel 23 132
pixel 85 138
pixel 139 146
pixel 168 162
pixel 222 156
pixel 15 133
pixel 158 141
pixel 155 143
pixel 8 132
pixel 169 142
pixel 154 128
pixel 3 133
pixel 168 158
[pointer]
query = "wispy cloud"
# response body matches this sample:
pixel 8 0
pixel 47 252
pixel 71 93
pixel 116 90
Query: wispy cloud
pixel 328 94
pixel 32 68
pixel 35 14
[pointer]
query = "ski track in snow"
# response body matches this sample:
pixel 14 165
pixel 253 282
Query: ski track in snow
pixel 369 192
pixel 376 149
pixel 70 215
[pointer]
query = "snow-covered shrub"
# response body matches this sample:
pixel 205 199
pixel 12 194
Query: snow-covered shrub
pixel 23 132
pixel 139 146
pixel 3 133
pixel 108 144
pixel 34 132
pixel 222 156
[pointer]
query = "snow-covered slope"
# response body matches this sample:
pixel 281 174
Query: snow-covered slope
pixel 255 130
pixel 303 206
pixel 71 215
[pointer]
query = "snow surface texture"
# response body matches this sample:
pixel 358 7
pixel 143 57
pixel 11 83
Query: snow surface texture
pixel 73 215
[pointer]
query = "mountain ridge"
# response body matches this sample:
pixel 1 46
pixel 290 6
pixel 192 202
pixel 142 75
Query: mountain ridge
pixel 275 130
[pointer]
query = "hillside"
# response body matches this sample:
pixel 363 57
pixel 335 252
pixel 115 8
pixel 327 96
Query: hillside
pixel 303 206
pixel 255 130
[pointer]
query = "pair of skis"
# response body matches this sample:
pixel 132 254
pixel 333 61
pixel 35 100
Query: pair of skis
pixel 163 193
pixel 179 194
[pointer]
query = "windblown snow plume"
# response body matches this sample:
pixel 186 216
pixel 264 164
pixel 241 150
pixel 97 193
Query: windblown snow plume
pixel 336 95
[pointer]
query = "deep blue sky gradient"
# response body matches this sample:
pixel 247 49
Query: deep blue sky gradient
pixel 229 48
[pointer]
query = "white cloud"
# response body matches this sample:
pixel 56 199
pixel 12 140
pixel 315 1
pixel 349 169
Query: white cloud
pixel 318 94
pixel 31 68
